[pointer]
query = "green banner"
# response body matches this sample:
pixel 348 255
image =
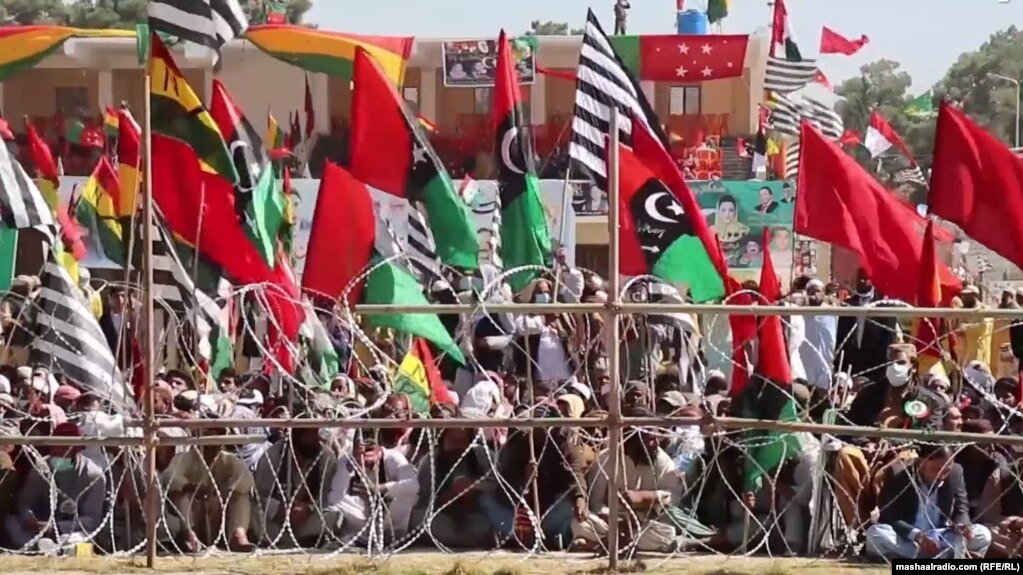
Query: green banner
pixel 738 212
pixel 8 257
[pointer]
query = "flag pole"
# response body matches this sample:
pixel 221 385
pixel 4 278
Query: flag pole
pixel 151 510
pixel 614 418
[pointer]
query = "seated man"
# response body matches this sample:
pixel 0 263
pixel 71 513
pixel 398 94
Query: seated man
pixel 652 489
pixel 216 486
pixel 371 476
pixel 293 482
pixel 924 511
pixel 78 488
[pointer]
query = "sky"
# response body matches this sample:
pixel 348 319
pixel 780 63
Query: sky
pixel 926 36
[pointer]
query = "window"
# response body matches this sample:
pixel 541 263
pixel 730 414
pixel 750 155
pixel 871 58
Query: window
pixel 411 95
pixel 685 100
pixel 71 102
pixel 482 100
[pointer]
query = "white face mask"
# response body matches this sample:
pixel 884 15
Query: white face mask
pixel 897 374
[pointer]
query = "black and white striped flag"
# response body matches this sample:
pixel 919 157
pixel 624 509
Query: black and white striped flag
pixel 910 175
pixel 602 81
pixel 70 341
pixel 786 76
pixel 22 205
pixel 210 23
pixel 823 117
pixel 786 114
pixel 422 249
pixel 792 160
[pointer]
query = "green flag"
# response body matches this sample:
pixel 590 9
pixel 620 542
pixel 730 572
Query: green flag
pixel 392 284
pixel 921 107
pixel 717 10
pixel 523 234
pixel 8 256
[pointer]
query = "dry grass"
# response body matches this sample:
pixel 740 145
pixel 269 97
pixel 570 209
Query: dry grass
pixel 433 564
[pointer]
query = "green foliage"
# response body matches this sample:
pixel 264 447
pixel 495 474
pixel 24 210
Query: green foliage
pixel 107 13
pixel 549 28
pixel 26 12
pixel 971 82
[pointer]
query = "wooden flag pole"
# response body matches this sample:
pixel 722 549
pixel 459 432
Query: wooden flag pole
pixel 149 415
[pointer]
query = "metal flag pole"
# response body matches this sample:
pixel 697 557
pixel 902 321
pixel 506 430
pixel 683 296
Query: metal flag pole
pixel 149 416
pixel 613 332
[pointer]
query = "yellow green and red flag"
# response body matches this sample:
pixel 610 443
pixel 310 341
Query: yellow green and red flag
pixel 331 53
pixel 96 209
pixel 110 122
pixel 22 47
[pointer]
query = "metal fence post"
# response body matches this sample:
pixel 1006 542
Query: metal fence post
pixel 149 359
pixel 613 331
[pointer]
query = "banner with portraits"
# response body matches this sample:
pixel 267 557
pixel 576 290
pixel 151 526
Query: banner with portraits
pixel 739 212
pixel 471 63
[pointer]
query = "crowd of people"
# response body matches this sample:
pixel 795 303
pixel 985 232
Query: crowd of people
pixel 682 488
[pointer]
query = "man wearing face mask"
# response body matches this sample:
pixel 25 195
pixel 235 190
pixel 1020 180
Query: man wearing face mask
pixel 863 341
pixel 818 348
pixel 879 402
pixel 77 511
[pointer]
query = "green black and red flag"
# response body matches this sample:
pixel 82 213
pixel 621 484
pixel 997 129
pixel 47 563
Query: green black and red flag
pixel 524 236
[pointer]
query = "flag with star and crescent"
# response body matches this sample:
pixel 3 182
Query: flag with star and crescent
pixel 525 238
pixel 658 236
pixel 258 199
pixel 391 152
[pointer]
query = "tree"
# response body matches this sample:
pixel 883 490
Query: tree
pixel 970 82
pixel 108 13
pixel 24 12
pixel 549 28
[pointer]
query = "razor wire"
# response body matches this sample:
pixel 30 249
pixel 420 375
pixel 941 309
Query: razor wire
pixel 377 535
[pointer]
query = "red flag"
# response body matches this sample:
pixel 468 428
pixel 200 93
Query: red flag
pixel 977 184
pixel 344 217
pixel 568 75
pixel 834 43
pixel 821 79
pixel 744 332
pixel 927 332
pixel 772 351
pixel 42 157
pixel 840 203
pixel 673 58
pixel 310 111
pixel 850 138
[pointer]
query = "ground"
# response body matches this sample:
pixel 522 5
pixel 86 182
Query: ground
pixel 434 564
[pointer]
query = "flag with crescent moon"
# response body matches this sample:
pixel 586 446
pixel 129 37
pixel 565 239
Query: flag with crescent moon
pixel 525 238
pixel 658 234
pixel 258 200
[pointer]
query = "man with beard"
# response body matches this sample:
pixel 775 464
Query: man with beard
pixel 863 341
pixel 293 480
pixel 653 488
pixel 818 348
